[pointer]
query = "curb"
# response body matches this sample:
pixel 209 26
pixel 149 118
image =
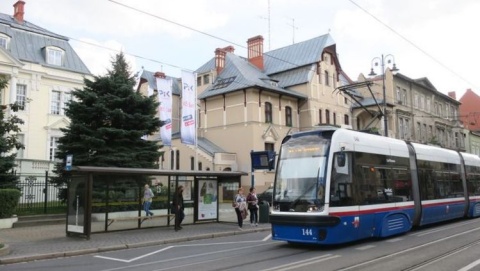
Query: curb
pixel 5 250
pixel 53 255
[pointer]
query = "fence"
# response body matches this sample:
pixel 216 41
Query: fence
pixel 38 195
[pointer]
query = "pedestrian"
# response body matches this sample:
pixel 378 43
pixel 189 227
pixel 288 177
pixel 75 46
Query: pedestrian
pixel 252 201
pixel 178 208
pixel 240 207
pixel 147 200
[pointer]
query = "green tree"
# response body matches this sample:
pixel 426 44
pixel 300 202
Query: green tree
pixel 108 119
pixel 9 143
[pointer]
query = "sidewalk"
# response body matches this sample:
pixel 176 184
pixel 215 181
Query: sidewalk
pixel 50 241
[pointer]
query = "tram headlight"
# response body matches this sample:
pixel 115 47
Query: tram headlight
pixel 313 208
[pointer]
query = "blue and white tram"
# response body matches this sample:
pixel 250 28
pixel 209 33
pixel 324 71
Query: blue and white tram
pixel 335 186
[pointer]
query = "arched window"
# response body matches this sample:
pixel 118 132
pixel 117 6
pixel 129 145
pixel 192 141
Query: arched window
pixel 268 112
pixel 288 116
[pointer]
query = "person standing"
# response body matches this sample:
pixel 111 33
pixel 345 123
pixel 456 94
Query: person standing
pixel 178 208
pixel 240 207
pixel 252 201
pixel 147 200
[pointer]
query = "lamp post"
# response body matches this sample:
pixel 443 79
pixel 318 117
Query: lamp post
pixel 390 59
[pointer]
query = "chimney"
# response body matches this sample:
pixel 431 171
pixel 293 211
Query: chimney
pixel 18 11
pixel 220 59
pixel 255 51
pixel 160 75
pixel 452 95
pixel 229 49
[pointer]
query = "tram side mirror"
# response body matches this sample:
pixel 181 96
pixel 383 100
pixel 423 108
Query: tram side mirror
pixel 341 159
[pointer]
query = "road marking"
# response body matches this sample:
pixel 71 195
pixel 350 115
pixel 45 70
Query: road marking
pixel 134 259
pixel 365 247
pixel 296 265
pixel 470 266
pixel 407 250
pixel 394 240
pixel 169 247
pixel 132 267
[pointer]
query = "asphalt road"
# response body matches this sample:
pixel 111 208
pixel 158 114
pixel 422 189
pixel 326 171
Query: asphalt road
pixel 445 247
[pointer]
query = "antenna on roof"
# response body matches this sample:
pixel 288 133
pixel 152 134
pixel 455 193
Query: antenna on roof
pixel 293 29
pixel 268 20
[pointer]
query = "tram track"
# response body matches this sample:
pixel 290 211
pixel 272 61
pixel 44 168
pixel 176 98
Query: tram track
pixel 442 256
pixel 411 249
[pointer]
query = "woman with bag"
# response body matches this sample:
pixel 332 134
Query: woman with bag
pixel 252 201
pixel 240 207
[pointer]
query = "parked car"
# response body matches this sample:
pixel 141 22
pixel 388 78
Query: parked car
pixel 267 195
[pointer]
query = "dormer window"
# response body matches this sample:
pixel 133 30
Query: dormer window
pixel 55 56
pixel 4 41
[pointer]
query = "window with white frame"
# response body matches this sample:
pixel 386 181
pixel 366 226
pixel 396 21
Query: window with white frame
pixel 21 98
pixel 59 101
pixel 53 147
pixel 55 103
pixel 4 41
pixel 55 56
pixel 404 96
pixel 428 105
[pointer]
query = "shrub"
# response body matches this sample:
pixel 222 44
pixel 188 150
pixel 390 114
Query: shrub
pixel 8 202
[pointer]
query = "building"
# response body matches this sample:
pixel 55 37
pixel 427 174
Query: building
pixel 469 113
pixel 42 69
pixel 416 111
pixel 250 103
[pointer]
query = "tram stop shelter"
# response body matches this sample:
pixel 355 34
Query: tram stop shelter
pixel 102 199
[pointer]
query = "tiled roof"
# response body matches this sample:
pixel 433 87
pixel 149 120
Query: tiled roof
pixel 28 42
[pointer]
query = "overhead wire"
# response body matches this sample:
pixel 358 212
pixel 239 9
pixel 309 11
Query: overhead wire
pixel 412 43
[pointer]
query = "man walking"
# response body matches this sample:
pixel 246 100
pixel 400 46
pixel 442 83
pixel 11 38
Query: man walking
pixel 178 208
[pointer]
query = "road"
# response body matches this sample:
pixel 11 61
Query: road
pixel 450 246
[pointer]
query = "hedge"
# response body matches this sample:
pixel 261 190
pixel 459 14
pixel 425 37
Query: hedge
pixel 8 202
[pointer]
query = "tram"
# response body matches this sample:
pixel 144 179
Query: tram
pixel 335 185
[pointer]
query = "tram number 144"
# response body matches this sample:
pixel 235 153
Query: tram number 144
pixel 307 232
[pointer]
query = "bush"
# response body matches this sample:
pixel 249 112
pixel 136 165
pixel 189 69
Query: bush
pixel 8 202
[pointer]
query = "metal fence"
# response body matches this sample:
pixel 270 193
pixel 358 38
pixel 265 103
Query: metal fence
pixel 38 195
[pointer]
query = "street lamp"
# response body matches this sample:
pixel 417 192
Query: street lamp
pixel 390 59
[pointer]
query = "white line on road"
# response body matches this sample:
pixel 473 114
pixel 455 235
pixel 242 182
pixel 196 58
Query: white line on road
pixel 470 266
pixel 302 263
pixel 188 245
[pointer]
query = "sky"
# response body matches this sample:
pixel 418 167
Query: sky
pixel 436 39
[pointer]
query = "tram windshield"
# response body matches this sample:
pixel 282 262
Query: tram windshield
pixel 300 179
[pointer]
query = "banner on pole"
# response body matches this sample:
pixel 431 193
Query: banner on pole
pixel 164 87
pixel 188 128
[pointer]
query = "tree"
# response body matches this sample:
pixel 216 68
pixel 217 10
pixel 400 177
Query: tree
pixel 108 119
pixel 9 129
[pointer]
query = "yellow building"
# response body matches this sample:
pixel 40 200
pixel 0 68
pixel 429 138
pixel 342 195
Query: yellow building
pixel 251 103
pixel 42 69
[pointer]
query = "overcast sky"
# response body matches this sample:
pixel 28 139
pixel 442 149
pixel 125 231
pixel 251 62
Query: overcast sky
pixel 437 39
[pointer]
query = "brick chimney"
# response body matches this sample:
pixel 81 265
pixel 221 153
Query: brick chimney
pixel 160 75
pixel 229 49
pixel 452 95
pixel 18 11
pixel 220 59
pixel 255 51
